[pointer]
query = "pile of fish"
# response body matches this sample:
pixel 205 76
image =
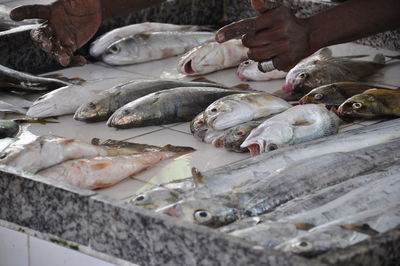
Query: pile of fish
pixel 305 199
pixel 90 166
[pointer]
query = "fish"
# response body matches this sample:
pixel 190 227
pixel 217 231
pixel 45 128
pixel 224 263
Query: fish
pixel 148 46
pixel 248 70
pixel 235 109
pixel 180 104
pixel 322 68
pixel 336 93
pixel 234 137
pixel 8 128
pixel 54 103
pixel 13 80
pixel 108 101
pixel 102 172
pixel 268 193
pixel 211 57
pixel 198 126
pixel 298 124
pixel 344 232
pixel 372 103
pixel 100 45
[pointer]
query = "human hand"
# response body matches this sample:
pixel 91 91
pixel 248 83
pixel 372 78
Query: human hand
pixel 275 34
pixel 69 25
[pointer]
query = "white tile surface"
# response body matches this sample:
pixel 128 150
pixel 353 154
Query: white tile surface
pixel 44 253
pixel 13 248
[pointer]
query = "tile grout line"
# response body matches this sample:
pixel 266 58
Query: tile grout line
pixel 143 134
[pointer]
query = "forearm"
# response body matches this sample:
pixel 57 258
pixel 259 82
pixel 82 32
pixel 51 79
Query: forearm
pixel 112 8
pixel 353 20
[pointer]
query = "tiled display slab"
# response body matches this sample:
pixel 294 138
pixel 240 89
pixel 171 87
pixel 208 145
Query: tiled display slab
pixel 13 248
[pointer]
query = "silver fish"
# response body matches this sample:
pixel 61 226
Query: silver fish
pixel 100 45
pixel 148 46
pixel 108 101
pixel 236 109
pixel 168 106
pixel 234 137
pixel 296 125
pixel 248 70
pixel 211 57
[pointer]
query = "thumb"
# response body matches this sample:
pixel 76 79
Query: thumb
pixel 260 5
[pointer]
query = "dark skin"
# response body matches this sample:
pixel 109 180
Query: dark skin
pixel 275 34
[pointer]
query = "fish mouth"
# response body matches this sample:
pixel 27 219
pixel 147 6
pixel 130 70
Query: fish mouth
pixel 188 69
pixel 241 76
pixel 219 142
pixel 288 87
pixel 254 149
pixel 302 100
pixel 174 211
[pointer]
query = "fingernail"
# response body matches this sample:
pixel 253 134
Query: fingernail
pixel 220 37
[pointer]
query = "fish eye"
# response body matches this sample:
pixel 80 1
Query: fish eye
pixel 202 216
pixel 302 246
pixel 3 155
pixel 114 49
pixel 92 105
pixel 239 133
pixel 303 75
pixel 272 147
pixel 125 112
pixel 214 110
pixel 357 105
pixel 318 96
pixel 247 62
pixel 142 199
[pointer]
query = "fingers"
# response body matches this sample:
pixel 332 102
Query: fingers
pixel 262 38
pixel 78 61
pixel 259 5
pixel 30 11
pixel 237 29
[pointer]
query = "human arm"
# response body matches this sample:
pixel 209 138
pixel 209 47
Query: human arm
pixel 71 23
pixel 278 34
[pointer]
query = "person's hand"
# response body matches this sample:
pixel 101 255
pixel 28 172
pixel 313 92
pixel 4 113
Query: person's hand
pixel 275 34
pixel 69 25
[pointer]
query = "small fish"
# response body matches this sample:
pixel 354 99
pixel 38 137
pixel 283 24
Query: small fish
pixel 13 80
pixel 296 125
pixel 108 101
pixel 148 46
pixel 234 137
pixel 211 57
pixel 233 110
pixel 198 126
pixel 100 45
pixel 248 70
pixel 8 128
pixel 344 232
pixel 101 172
pixel 372 103
pixel 336 93
pixel 322 68
pixel 168 106
pixel 54 103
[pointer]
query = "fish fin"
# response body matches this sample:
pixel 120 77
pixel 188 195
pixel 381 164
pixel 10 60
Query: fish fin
pixel 379 58
pixel 353 56
pixel 102 185
pixel 236 188
pixel 38 120
pixel 177 149
pixel 99 166
pixel 198 178
pixel 361 228
pixel 303 226
pixel 66 141
pixel 53 75
pixel 76 80
pixel 243 86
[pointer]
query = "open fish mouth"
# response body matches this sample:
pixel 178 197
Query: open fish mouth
pixel 188 69
pixel 254 149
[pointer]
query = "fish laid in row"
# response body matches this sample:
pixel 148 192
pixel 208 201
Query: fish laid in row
pixel 211 57
pixel 148 46
pixel 236 109
pixel 322 68
pixel 373 103
pixel 270 192
pixel 336 93
pixel 108 101
pixel 248 70
pixel 296 125
pixel 100 45
pixel 180 104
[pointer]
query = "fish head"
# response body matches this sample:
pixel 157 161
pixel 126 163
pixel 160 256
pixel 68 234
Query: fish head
pixel 91 111
pixel 268 136
pixel 224 113
pixel 155 198
pixel 326 94
pixel 198 126
pixel 121 52
pixel 235 136
pixel 211 135
pixel 123 117
pixel 247 69
pixel 360 106
pixel 208 212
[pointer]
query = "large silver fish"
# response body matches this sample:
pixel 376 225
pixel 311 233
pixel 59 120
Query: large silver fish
pixel 148 46
pixel 236 109
pixel 298 124
pixel 211 57
pixel 108 101
pixel 168 106
pixel 248 70
pixel 322 68
pixel 344 232
pixel 100 45
pixel 267 194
